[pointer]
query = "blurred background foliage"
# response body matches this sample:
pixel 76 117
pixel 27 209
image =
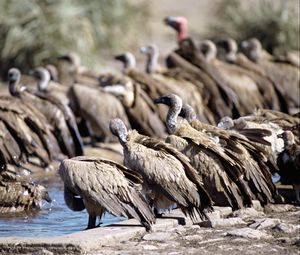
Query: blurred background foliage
pixel 274 22
pixel 35 31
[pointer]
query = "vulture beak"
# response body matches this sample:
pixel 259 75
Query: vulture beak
pixel 120 57
pixel 172 22
pixel 163 100
pixel 47 197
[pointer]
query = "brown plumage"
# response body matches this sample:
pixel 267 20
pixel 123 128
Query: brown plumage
pixel 167 173
pixel 256 170
pixel 177 83
pixel 285 76
pixel 273 98
pixel 289 163
pixel 104 185
pixel 18 196
pixel 58 115
pixel 140 110
pixel 96 107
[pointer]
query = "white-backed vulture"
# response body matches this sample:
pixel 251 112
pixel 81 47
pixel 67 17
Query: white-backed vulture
pixel 199 144
pixel 58 115
pixel 288 162
pixel 96 107
pixel 177 83
pixel 18 196
pixel 248 94
pixel 104 185
pixel 168 176
pixel 140 110
pixel 285 76
pixel 273 98
pixel 256 170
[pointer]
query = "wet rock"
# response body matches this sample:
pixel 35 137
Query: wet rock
pixel 158 236
pixel 276 208
pixel 264 223
pixel 214 215
pixel 224 211
pixel 43 252
pixel 286 228
pixel 222 222
pixel 248 233
pixel 248 212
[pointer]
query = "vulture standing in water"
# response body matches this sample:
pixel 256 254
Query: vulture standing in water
pixel 289 163
pixel 58 115
pixel 178 83
pixel 257 172
pixel 226 171
pixel 104 186
pixel 168 176
pixel 284 75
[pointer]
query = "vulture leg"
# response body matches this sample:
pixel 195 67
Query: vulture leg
pixel 92 221
pixel 157 214
pixel 297 191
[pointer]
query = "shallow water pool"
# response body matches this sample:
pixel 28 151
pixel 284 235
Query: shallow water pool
pixel 54 219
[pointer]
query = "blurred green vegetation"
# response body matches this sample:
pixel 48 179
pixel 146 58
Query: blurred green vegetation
pixel 274 23
pixel 36 31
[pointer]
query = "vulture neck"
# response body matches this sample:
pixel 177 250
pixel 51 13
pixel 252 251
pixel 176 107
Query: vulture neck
pixel 14 89
pixel 44 81
pixel 152 60
pixel 172 116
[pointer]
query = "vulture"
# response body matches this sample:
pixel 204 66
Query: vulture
pixel 100 186
pixel 58 115
pixel 140 110
pixel 246 89
pixel 178 82
pixel 96 107
pixel 205 152
pixel 273 99
pixel 16 196
pixel 168 176
pixel 257 172
pixel 284 75
pixel 288 162
pixel 221 100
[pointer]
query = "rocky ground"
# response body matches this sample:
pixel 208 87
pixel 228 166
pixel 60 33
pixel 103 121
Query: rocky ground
pixel 272 230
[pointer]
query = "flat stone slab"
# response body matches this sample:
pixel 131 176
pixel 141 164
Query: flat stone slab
pixel 81 242
pixel 249 233
pixel 264 223
pixel 213 223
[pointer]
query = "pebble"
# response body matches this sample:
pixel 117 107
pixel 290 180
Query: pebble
pixel 193 238
pixel 149 247
pixel 158 236
pixel 264 223
pixel 248 212
pixel 249 233
pixel 286 228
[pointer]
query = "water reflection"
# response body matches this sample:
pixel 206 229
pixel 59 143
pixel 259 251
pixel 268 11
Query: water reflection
pixel 54 219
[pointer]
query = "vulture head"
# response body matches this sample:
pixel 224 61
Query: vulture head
pixel 208 50
pixel 127 59
pixel 252 49
pixel 118 128
pixel 53 72
pixel 288 138
pixel 152 53
pixel 230 48
pixel 226 123
pixel 187 112
pixel 179 24
pixel 43 76
pixel 175 104
pixel 73 59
